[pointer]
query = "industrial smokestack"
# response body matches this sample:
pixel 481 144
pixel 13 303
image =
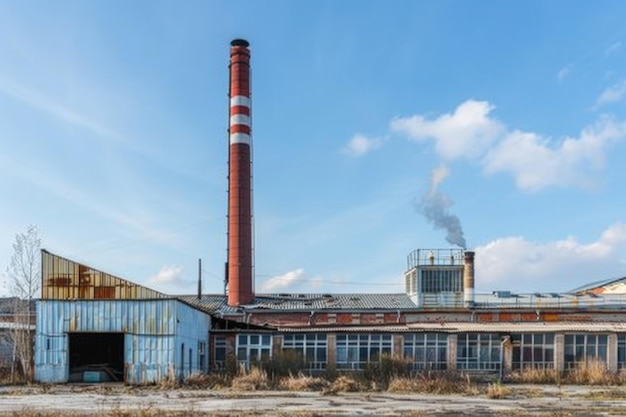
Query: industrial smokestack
pixel 468 279
pixel 239 178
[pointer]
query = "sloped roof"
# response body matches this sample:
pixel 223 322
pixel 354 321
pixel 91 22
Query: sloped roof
pixel 607 286
pixel 305 302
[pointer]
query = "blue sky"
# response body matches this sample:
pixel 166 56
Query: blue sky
pixel 368 116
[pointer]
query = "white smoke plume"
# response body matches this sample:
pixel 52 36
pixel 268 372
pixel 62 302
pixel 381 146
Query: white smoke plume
pixel 434 205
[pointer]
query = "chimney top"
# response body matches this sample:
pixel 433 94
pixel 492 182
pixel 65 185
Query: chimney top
pixel 240 42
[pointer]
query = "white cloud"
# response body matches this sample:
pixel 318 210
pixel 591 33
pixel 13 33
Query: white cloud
pixel 564 72
pixel 467 132
pixel 514 263
pixel 537 162
pixel 359 145
pixel 613 94
pixel 284 281
pixel 292 281
pixel 168 275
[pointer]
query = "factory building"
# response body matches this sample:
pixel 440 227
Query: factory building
pixel 87 318
pixel 96 327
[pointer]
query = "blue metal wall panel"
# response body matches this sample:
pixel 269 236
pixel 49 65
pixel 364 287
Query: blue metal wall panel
pixel 153 332
pixel 193 329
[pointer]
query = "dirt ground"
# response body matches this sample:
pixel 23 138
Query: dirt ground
pixel 520 401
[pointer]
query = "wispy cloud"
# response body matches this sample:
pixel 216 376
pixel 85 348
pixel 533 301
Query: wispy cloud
pixel 360 145
pixel 467 132
pixel 48 105
pixel 515 263
pixel 613 94
pixel 564 72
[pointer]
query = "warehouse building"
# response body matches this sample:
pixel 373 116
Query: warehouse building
pixel 93 326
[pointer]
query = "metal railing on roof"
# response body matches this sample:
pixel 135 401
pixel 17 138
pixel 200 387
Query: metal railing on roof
pixel 435 257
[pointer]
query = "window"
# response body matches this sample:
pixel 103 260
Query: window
pixel 354 351
pixel 311 346
pixel 533 350
pixel 253 348
pixel 219 356
pixel 478 351
pixel 580 348
pixel 621 350
pixel 442 280
pixel 201 356
pixel 427 350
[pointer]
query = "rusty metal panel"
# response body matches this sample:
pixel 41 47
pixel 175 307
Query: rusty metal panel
pixel 63 279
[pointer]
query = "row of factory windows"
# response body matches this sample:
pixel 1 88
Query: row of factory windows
pixel 471 351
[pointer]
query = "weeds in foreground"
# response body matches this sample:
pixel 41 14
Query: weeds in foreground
pixel 253 380
pixel 496 391
pixel 590 372
pixel 445 382
pixel 303 382
pixel 535 376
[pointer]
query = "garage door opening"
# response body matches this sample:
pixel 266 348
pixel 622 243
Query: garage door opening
pixel 96 357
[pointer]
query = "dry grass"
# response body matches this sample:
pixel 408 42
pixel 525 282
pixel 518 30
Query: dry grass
pixel 343 383
pixel 207 381
pixel 536 376
pixel 303 383
pixel 592 372
pixel 253 380
pixel 153 412
pixel 434 383
pixel 497 391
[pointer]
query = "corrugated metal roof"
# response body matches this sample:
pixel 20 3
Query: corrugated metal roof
pixel 360 302
pixel 540 327
pixel 305 302
pixel 526 327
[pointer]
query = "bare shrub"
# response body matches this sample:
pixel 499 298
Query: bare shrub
pixel 252 380
pixel 303 383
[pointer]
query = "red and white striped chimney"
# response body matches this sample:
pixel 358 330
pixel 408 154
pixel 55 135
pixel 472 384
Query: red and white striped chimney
pixel 240 279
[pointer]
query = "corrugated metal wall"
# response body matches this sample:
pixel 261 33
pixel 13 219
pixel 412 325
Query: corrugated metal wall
pixel 154 333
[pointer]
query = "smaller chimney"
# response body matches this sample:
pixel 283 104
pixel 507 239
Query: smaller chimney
pixel 468 279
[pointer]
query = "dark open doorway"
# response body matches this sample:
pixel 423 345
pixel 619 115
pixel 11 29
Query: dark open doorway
pixel 96 357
